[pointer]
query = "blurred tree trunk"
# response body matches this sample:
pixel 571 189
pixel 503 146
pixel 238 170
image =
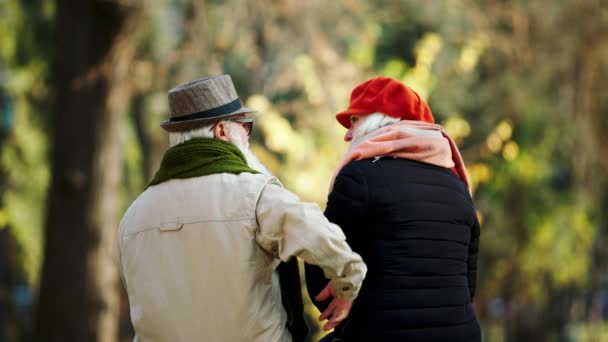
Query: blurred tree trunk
pixel 78 298
pixel 145 140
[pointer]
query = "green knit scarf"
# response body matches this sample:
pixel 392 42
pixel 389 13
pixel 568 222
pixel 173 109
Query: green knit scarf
pixel 200 157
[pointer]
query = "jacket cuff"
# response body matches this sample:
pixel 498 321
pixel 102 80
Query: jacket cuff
pixel 345 286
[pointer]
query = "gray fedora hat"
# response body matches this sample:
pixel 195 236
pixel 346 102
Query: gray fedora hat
pixel 202 101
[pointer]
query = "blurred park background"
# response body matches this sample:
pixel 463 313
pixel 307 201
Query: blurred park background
pixel 521 85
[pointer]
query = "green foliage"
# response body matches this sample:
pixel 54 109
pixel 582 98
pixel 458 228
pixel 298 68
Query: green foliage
pixel 25 163
pixel 24 48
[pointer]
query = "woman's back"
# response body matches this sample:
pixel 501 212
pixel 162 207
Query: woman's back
pixel 415 226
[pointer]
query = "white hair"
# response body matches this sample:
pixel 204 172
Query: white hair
pixel 373 122
pixel 176 138
pixel 206 131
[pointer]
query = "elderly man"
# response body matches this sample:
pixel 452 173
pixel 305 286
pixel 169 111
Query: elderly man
pixel 199 247
pixel 401 197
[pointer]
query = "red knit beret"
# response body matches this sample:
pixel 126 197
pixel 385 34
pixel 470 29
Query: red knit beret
pixel 388 96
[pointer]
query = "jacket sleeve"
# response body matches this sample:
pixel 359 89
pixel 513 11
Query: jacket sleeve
pixel 346 207
pixel 472 258
pixel 289 227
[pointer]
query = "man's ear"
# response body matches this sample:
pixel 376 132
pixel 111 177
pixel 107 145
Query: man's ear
pixel 221 131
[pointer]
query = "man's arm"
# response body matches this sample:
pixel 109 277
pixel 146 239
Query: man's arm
pixel 346 207
pixel 289 227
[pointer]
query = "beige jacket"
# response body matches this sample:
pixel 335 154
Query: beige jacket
pixel 197 257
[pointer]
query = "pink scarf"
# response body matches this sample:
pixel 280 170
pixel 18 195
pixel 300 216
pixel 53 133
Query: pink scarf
pixel 407 139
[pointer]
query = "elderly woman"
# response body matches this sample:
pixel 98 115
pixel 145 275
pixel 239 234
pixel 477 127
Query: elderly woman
pixel 401 197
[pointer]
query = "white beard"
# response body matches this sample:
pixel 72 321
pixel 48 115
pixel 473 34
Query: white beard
pixel 252 161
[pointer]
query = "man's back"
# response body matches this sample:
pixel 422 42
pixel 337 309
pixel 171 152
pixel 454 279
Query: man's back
pixel 192 266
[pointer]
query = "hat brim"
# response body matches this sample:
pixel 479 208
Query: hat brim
pixel 186 125
pixel 344 116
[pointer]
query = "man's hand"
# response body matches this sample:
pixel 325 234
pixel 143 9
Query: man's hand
pixel 337 310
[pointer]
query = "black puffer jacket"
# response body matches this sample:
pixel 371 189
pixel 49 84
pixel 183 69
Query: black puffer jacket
pixel 415 226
